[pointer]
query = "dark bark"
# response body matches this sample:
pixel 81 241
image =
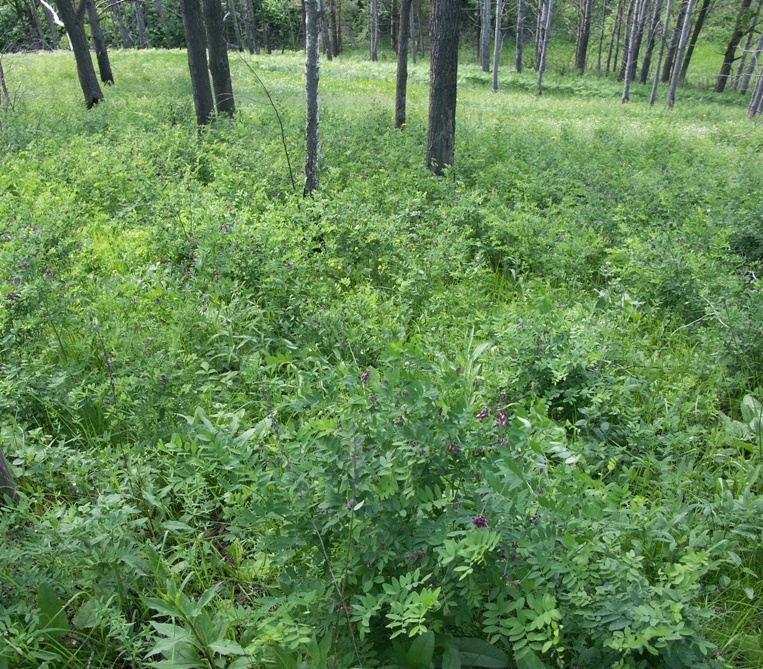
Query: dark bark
pixel 636 43
pixel 663 40
pixel 651 39
pixel 680 54
pixel 145 42
pixel 55 38
pixel 667 67
pixel 327 48
pixel 78 40
pixel 334 32
pixel 601 34
pixel 38 24
pixel 127 41
pixel 402 63
pixel 236 25
pixel 412 31
pixel 311 89
pixel 631 57
pixel 247 14
pixel 485 35
pixel 520 34
pixel 706 4
pixel 218 57
pixel 7 484
pixel 614 42
pixel 5 98
pixel 193 25
pixel 584 34
pixel 99 42
pixel 443 46
pixel 747 45
pixel 736 37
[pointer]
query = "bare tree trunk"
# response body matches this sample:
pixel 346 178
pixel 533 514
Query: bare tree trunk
pixel 402 63
pixel 218 57
pixel 413 31
pixel 694 35
pixel 756 103
pixel 247 14
pixel 747 44
pixel 145 42
pixel 443 45
pixel 601 34
pixel 667 67
pixel 520 34
pixel 327 46
pixel 7 484
pixel 637 10
pixel 5 99
pixel 79 44
pixel 736 37
pixel 630 20
pixel 374 29
pixel 753 65
pixel 334 32
pixel 497 45
pixel 104 66
pixel 636 41
pixel 651 39
pixel 539 30
pixel 236 25
pixel 615 39
pixel 311 89
pixel 680 55
pixel 485 35
pixel 544 45
pixel 38 24
pixel 55 38
pixel 665 27
pixel 584 33
pixel 127 41
pixel 193 24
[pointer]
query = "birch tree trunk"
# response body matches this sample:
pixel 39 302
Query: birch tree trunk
pixel 665 27
pixel 485 35
pixel 746 49
pixel 680 55
pixel 584 33
pixel 78 41
pixel 374 29
pixel 544 46
pixel 632 50
pixel 630 20
pixel 311 89
pixel 615 39
pixel 193 25
pixel 753 65
pixel 443 68
pixel 218 57
pixel 520 34
pixel 667 67
pixel 101 54
pixel 402 63
pixel 736 37
pixel 497 45
pixel 756 103
pixel 694 36
pixel 601 34
pixel 651 39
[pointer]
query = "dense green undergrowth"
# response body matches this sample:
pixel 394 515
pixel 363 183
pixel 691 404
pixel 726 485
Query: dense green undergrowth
pixel 503 418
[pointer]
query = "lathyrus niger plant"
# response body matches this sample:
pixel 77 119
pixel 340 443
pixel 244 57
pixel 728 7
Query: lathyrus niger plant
pixel 399 516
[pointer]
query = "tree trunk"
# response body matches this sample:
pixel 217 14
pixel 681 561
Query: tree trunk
pixel 544 45
pixel 630 21
pixel 694 35
pixel 311 89
pixel 680 55
pixel 753 65
pixel 218 57
pixel 5 99
pixel 665 27
pixel 413 31
pixel 334 32
pixel 485 35
pixel 756 103
pixel 145 42
pixel 38 24
pixel 637 11
pixel 79 44
pixel 127 41
pixel 652 38
pixel 7 484
pixel 247 14
pixel 236 25
pixel 497 45
pixel 55 38
pixel 193 25
pixel 747 45
pixel 104 66
pixel 636 44
pixel 667 68
pixel 327 47
pixel 520 34
pixel 443 46
pixel 402 63
pixel 539 30
pixel 736 37
pixel 615 39
pixel 584 33
pixel 374 29
pixel 601 34
pixel 394 27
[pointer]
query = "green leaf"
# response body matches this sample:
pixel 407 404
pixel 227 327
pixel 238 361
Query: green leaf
pixel 479 653
pixel 527 659
pixel 161 606
pixel 751 409
pixel 207 596
pixel 85 616
pixel 52 615
pixel 226 647
pixel 420 653
pixel 451 658
pixel 283 659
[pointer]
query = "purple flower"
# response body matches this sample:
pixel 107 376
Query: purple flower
pixel 479 521
pixel 454 449
pixel 484 413
pixel 372 398
pixel 502 420
pixel 364 376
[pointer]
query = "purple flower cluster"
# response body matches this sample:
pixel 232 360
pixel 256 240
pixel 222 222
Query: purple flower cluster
pixel 479 521
pixel 454 449
pixel 364 376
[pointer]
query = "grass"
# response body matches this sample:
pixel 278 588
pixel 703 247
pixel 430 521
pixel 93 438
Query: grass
pixel 254 429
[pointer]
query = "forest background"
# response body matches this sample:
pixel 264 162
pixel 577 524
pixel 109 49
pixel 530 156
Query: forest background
pixel 508 417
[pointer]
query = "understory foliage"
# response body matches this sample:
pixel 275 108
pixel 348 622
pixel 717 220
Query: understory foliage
pixel 507 418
